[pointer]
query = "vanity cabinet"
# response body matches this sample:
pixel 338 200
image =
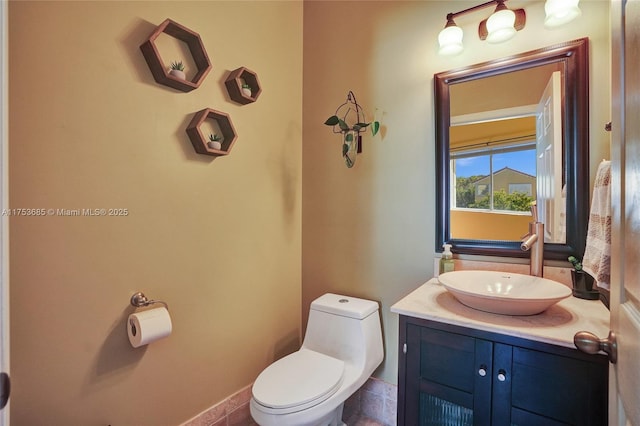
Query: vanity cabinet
pixel 453 375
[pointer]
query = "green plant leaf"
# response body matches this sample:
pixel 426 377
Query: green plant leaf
pixel 576 263
pixel 348 137
pixel 361 125
pixel 345 149
pixel 348 161
pixel 343 125
pixel 375 126
pixel 332 121
pixel 177 65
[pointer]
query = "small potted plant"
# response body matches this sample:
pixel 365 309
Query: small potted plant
pixel 582 282
pixel 177 70
pixel 246 90
pixel 214 141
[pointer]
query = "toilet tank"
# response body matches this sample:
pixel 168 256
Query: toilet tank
pixel 345 327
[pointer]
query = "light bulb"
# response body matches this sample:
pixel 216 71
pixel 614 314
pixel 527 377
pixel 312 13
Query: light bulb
pixel 450 40
pixel 559 12
pixel 500 25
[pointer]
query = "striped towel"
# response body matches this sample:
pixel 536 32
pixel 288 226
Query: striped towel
pixel 597 255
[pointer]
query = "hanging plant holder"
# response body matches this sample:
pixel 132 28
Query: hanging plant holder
pixel 351 112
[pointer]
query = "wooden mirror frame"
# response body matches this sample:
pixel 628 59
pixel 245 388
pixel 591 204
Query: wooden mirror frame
pixel 574 59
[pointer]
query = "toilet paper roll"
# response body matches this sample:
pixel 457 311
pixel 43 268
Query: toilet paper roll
pixel 148 326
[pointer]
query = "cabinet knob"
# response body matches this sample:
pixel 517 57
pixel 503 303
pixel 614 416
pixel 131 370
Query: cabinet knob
pixel 502 375
pixel 483 370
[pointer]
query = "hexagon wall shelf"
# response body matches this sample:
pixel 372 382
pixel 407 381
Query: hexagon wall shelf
pixel 199 140
pixel 234 85
pixel 158 67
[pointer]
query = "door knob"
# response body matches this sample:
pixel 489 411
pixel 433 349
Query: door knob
pixel 589 343
pixel 5 389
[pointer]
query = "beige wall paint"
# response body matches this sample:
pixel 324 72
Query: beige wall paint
pixel 218 240
pixel 481 225
pixel 369 231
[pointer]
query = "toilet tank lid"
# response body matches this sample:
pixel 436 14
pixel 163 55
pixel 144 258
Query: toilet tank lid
pixel 346 306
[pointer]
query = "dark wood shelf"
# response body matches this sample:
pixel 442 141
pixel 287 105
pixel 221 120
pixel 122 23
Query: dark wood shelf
pixel 159 69
pixel 234 85
pixel 200 142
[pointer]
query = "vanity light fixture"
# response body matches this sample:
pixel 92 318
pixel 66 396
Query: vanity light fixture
pixel 499 27
pixel 503 23
pixel 559 12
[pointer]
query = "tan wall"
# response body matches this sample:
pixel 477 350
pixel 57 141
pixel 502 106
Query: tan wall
pixel 370 231
pixel 488 225
pixel 219 240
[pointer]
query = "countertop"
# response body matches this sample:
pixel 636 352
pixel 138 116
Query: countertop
pixel 557 325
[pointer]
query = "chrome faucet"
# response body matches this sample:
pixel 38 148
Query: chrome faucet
pixel 534 242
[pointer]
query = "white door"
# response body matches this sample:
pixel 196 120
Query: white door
pixel 549 161
pixel 4 221
pixel 624 389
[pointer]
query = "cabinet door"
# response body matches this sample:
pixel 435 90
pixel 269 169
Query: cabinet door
pixel 448 378
pixel 560 389
pixel 501 381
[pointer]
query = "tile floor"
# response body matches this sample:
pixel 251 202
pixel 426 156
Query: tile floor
pixel 359 420
pixel 374 404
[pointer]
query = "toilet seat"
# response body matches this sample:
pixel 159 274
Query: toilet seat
pixel 298 381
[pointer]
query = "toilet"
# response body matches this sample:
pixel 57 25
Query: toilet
pixel 341 349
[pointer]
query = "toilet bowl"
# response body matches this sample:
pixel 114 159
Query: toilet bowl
pixel 341 349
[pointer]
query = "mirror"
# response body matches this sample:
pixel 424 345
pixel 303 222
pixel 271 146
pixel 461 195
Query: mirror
pixel 499 147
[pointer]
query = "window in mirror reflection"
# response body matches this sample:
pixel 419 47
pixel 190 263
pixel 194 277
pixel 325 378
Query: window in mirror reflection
pixel 493 178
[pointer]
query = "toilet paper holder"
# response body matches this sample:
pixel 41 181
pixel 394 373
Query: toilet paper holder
pixel 139 300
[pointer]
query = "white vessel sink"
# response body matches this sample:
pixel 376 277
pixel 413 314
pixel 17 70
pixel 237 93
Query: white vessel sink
pixel 504 292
